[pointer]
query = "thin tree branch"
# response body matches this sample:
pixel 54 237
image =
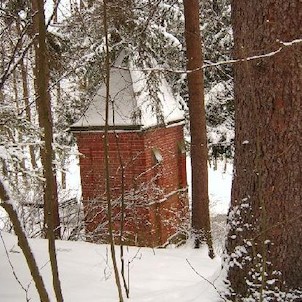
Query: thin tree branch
pixel 205 279
pixel 228 62
pixel 13 65
pixel 9 70
pixel 276 225
pixel 106 151
pixel 53 13
pixel 13 269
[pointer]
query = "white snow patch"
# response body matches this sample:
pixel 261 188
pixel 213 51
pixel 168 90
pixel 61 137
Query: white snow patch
pixel 220 183
pixel 86 273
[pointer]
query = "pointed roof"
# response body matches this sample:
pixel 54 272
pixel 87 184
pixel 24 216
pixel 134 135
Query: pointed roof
pixel 131 103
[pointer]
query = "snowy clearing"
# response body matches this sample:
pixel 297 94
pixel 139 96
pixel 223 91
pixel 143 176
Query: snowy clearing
pixel 86 273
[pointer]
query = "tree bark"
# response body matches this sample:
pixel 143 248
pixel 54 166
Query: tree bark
pixel 199 151
pixel 265 239
pixel 51 211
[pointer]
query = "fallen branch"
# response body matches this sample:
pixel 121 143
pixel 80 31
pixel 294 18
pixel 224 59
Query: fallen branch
pixel 205 279
pixel 13 269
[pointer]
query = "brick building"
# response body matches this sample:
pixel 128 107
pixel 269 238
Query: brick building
pixel 146 159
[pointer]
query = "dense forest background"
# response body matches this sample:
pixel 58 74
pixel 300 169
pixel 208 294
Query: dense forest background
pixel 75 49
pixel 55 55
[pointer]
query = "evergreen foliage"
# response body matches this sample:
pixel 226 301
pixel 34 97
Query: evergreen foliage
pixel 217 40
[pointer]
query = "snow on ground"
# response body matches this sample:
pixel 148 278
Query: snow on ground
pixel 156 275
pixel 220 183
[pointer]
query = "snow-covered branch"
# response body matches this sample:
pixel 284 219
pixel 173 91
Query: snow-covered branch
pixel 13 64
pixel 252 58
pixel 228 62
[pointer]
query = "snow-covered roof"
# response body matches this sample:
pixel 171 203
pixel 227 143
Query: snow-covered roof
pixel 131 104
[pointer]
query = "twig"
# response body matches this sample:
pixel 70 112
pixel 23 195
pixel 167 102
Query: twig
pixel 13 269
pixel 12 64
pixel 54 12
pixel 205 279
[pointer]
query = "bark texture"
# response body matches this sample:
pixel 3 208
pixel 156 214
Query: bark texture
pixel 199 151
pixel 265 239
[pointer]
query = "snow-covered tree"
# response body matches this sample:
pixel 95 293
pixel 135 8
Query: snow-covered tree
pixel 217 42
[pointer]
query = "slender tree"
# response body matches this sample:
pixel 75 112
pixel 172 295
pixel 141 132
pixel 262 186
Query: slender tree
pixel 106 151
pixel 199 152
pixel 43 102
pixel 265 238
pixel 24 76
pixel 47 153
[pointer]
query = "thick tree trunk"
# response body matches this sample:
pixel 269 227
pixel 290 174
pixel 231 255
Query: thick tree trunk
pixel 265 239
pixel 199 151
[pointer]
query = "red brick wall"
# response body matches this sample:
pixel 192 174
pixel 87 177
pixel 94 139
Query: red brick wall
pixel 154 210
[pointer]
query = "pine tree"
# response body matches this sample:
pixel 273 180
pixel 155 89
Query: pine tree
pixel 199 151
pixel 264 241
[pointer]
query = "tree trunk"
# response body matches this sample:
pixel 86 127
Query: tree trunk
pixel 45 119
pixel 27 110
pixel 106 152
pixel 199 151
pixel 265 239
pixel 24 76
pixel 51 212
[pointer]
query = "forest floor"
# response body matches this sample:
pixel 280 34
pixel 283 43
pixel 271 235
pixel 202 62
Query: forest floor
pixel 179 274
